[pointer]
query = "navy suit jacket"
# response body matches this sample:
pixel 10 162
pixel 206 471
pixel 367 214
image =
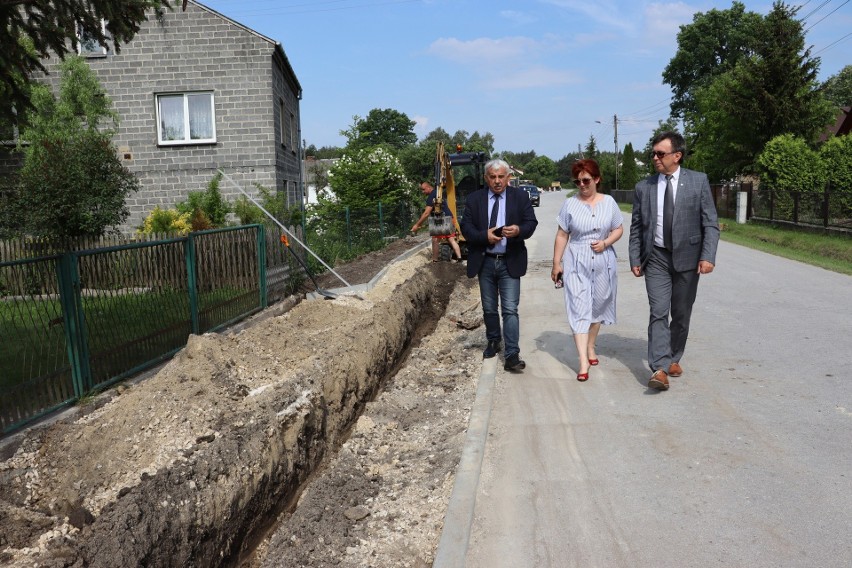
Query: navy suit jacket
pixel 474 227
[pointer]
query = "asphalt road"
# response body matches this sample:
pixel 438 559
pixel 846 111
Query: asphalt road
pixel 745 461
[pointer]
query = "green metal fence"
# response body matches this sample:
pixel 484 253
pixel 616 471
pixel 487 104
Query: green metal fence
pixel 75 322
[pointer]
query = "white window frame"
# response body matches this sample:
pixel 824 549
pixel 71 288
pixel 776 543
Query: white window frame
pixel 102 50
pixel 186 140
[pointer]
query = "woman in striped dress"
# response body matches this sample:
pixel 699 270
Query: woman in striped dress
pixel 584 260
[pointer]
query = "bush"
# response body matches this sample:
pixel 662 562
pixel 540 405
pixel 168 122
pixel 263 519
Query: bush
pixel 787 165
pixel 166 221
pixel 835 155
pixel 210 203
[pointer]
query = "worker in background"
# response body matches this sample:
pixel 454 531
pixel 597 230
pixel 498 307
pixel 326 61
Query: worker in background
pixel 432 194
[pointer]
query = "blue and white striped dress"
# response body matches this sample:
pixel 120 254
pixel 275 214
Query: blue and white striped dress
pixel 591 279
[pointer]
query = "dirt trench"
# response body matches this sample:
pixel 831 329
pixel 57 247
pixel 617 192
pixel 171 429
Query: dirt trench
pixel 179 469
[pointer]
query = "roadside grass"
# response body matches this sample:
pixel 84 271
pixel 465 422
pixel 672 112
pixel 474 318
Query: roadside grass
pixel 832 252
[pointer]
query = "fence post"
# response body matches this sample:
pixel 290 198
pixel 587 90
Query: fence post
pixel 381 222
pixel 261 264
pixel 348 230
pixel 191 282
pixel 75 334
pixel 772 204
pixel 825 195
pixel 796 207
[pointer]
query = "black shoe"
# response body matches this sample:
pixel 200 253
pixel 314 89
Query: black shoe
pixel 514 363
pixel 492 349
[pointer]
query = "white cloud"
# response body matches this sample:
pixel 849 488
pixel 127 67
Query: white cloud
pixel 484 51
pixel 663 21
pixel 518 18
pixel 534 77
pixel 605 12
pixel 421 124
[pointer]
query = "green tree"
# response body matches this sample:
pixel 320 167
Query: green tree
pixel 365 176
pixel 418 160
pixel 770 93
pixel 711 45
pixel 33 29
pixel 72 181
pixel 838 88
pixel 381 126
pixel 542 170
pixel 324 153
pixel 629 169
pixel 591 150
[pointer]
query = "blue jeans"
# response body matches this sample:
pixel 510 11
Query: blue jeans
pixel 494 280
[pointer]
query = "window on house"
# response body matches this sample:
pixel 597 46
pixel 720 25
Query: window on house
pixel 186 118
pixel 88 45
pixel 282 126
pixel 292 132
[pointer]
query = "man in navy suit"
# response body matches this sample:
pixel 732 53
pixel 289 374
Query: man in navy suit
pixel 674 233
pixel 495 224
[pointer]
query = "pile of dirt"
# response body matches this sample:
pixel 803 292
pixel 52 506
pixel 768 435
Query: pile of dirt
pixel 179 469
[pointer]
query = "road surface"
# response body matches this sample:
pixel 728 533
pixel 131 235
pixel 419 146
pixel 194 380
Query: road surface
pixel 745 461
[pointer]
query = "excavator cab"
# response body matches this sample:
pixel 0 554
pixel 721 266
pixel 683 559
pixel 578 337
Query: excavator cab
pixel 457 176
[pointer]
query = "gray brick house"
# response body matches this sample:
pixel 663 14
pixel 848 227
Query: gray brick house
pixel 196 91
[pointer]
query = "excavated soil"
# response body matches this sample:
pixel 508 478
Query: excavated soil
pixel 327 435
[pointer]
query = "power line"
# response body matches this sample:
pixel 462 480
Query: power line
pixel 827 15
pixel 815 10
pixel 832 44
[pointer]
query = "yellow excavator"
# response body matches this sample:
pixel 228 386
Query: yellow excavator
pixel 457 175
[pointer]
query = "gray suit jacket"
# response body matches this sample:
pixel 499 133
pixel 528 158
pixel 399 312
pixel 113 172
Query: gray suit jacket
pixel 695 227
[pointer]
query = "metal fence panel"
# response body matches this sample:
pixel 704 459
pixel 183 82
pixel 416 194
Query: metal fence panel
pixel 35 373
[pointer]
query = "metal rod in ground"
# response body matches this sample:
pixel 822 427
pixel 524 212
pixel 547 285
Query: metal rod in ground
pixel 283 228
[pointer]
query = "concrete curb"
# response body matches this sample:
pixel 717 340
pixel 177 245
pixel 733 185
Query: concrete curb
pixel 452 547
pixel 358 288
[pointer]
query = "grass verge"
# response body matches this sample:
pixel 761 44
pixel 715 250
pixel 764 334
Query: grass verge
pixel 832 252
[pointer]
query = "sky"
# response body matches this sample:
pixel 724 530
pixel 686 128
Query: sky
pixel 542 75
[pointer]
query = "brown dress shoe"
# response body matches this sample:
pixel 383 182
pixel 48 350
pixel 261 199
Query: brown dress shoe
pixel 659 380
pixel 675 370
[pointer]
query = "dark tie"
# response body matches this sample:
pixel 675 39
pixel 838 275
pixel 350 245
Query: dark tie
pixel 494 210
pixel 668 213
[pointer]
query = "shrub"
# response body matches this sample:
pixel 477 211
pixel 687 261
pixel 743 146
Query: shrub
pixel 166 221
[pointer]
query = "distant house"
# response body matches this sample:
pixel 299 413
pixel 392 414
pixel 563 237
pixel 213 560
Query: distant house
pixel 316 176
pixel 196 91
pixel 841 127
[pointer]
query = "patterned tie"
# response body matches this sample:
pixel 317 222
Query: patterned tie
pixel 668 213
pixel 494 210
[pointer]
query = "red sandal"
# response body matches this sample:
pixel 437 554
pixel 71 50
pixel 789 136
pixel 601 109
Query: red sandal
pixel 582 377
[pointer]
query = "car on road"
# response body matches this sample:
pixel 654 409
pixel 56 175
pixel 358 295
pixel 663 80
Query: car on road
pixel 534 193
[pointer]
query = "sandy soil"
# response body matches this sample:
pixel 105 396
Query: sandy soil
pixel 309 433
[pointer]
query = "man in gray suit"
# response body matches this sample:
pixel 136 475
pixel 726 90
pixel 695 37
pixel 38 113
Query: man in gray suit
pixel 674 233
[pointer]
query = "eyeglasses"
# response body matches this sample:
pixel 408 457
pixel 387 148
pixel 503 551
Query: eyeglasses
pixel 660 154
pixel 583 181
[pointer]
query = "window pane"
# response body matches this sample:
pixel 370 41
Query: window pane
pixel 171 117
pixel 200 116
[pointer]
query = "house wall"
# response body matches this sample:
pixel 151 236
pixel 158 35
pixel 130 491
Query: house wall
pixel 199 50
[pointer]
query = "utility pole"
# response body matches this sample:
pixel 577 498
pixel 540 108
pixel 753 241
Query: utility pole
pixel 615 127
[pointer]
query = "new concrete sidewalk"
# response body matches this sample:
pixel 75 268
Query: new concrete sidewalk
pixel 745 461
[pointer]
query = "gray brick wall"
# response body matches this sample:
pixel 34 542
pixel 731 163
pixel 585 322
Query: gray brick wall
pixel 199 50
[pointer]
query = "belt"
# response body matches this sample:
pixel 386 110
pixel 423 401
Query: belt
pixel 495 255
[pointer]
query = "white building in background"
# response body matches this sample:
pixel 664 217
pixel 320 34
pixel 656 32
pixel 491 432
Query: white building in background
pixel 316 171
